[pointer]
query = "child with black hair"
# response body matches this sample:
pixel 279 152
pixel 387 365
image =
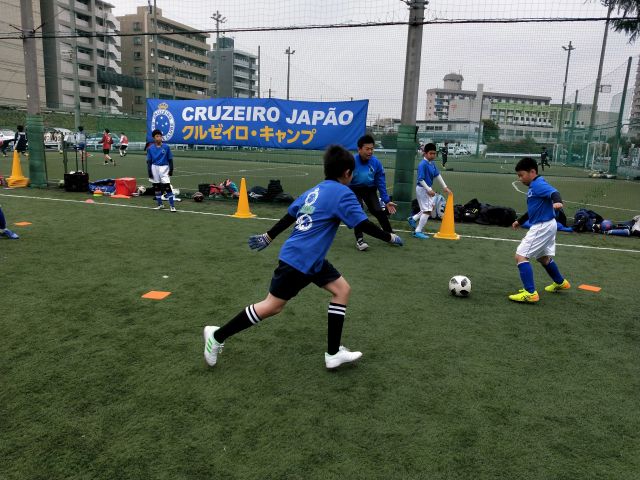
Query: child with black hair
pixel 317 213
pixel 540 241
pixel 160 169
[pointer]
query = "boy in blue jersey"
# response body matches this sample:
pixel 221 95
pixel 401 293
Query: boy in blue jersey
pixel 540 241
pixel 160 169
pixel 368 180
pixel 317 214
pixel 425 194
pixel 4 231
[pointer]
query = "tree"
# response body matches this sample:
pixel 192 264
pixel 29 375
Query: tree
pixel 629 10
pixel 490 131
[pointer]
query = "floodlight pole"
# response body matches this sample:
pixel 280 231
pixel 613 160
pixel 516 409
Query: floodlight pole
pixel 288 52
pixel 218 18
pixel 34 123
pixel 613 164
pixel 403 181
pixel 155 45
pixel 564 90
pixel 594 106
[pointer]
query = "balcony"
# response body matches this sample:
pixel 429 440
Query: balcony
pixel 84 57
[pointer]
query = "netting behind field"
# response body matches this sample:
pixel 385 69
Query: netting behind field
pixel 491 77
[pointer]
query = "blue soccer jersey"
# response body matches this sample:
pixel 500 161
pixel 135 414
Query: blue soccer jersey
pixel 318 213
pixel 159 155
pixel 539 203
pixel 370 174
pixel 427 171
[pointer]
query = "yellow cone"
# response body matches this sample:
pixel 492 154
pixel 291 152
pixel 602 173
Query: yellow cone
pixel 447 228
pixel 243 202
pixel 17 179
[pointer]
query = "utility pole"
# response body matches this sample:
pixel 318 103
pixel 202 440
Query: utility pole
pixel 74 61
pixel 403 182
pixel 564 91
pixel 288 52
pixel 258 69
pixel 34 123
pixel 594 106
pixel 218 19
pixel 157 54
pixel 569 160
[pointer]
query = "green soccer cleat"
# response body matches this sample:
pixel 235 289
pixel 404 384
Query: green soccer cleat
pixel 524 297
pixel 556 287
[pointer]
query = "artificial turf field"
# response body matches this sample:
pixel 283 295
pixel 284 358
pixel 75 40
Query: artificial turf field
pixel 97 382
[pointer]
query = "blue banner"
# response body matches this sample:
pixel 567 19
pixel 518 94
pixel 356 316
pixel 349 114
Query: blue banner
pixel 258 122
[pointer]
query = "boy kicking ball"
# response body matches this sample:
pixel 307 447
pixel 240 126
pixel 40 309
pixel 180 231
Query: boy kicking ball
pixel 317 213
pixel 540 241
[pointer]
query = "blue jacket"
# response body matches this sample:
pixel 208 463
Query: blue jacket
pixel 370 174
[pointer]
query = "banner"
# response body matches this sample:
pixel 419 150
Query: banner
pixel 258 122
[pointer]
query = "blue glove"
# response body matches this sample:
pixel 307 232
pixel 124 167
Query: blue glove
pixel 396 240
pixel 259 242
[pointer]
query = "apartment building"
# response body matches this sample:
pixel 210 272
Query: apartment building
pixel 238 69
pixel 13 91
pixel 176 68
pixel 93 57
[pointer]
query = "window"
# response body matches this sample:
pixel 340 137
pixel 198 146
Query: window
pixel 138 100
pixel 137 40
pixel 137 70
pixel 137 55
pixel 137 27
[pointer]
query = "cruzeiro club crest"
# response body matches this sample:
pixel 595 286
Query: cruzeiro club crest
pixel 163 120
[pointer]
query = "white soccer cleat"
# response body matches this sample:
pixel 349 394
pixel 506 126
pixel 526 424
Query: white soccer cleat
pixel 361 245
pixel 158 207
pixel 173 209
pixel 211 347
pixel 344 355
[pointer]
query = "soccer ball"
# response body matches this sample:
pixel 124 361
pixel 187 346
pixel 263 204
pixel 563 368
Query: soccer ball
pixel 142 189
pixel 460 286
pixel 198 197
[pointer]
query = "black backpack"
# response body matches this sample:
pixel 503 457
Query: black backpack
pixel 584 219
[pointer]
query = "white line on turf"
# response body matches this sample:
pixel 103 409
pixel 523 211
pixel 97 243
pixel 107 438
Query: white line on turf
pixel 477 237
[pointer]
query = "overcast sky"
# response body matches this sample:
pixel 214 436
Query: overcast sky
pixel 338 64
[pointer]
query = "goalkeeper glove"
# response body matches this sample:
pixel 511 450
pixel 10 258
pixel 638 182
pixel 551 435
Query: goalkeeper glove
pixel 396 240
pixel 259 242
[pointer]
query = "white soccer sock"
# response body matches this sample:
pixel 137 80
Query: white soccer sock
pixel 422 222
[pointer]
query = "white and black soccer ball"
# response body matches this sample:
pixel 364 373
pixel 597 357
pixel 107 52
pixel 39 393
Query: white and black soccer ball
pixel 141 189
pixel 460 286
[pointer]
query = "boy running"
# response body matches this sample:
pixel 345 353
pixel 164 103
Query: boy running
pixel 160 169
pixel 540 240
pixel 317 213
pixel 124 143
pixel 106 142
pixel 427 172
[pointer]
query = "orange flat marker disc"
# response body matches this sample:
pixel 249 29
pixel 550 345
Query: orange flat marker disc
pixel 120 196
pixel 156 295
pixel 22 224
pixel 589 288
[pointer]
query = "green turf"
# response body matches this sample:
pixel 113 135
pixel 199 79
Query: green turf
pixel 617 200
pixel 96 382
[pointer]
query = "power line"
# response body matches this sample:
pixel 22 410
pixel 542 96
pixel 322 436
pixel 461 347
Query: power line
pixel 441 21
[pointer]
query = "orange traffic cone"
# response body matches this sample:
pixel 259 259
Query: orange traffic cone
pixel 17 179
pixel 243 202
pixel 447 228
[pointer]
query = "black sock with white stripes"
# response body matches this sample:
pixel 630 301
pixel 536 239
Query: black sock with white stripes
pixel 245 319
pixel 336 315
